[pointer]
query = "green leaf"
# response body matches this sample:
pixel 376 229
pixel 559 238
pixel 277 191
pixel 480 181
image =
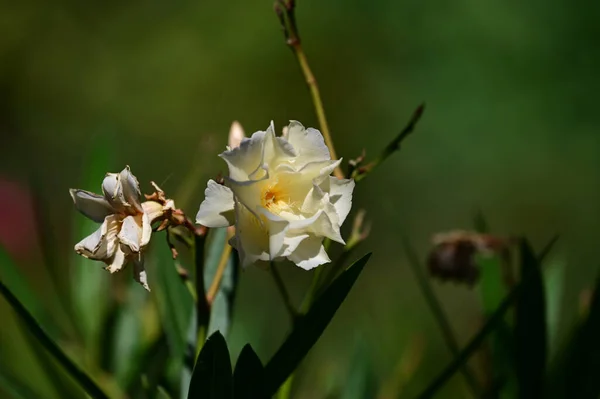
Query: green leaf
pixel 12 277
pixel 126 344
pixel 161 393
pixel 53 271
pixel 59 379
pixel 76 373
pixel 222 306
pixel 480 223
pixel 309 328
pixel 174 301
pixel 212 377
pixel 530 327
pixel 15 387
pixel 575 373
pixel 360 382
pixel 492 291
pixel 89 280
pixel 249 376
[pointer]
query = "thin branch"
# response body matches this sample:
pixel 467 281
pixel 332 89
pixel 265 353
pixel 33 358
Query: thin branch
pixel 285 10
pixel 360 172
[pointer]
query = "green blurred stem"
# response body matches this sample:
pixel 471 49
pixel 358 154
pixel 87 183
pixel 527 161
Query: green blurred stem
pixel 284 293
pixel 361 172
pixel 439 315
pixel 286 12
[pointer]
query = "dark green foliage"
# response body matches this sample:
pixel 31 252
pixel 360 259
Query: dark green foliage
pixel 249 376
pixel 530 326
pixel 309 328
pixel 212 377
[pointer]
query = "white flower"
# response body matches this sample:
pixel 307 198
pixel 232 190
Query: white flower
pixel 126 223
pixel 280 197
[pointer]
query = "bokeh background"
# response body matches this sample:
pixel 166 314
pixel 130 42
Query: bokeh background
pixel 510 128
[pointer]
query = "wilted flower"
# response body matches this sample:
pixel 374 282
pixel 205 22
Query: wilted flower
pixel 126 223
pixel 454 256
pixel 280 197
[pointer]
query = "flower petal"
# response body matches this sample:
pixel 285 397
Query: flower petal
pixel 245 159
pixel 291 242
pixel 146 230
pixel 90 245
pixel 117 261
pixel 217 209
pixel 131 189
pixel 276 149
pixel 131 234
pixel 101 244
pixel 139 273
pixel 320 224
pixel 308 143
pixel 340 195
pixel 113 191
pixel 92 205
pixel 154 210
pixel 310 253
pixel 277 228
pixel 252 237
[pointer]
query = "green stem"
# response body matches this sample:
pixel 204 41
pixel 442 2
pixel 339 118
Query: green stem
pixel 439 315
pixel 286 12
pixel 361 172
pixel 287 300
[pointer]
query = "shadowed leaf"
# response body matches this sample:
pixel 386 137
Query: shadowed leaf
pixel 530 327
pixel 212 377
pixel 576 369
pixel 309 328
pixel 249 376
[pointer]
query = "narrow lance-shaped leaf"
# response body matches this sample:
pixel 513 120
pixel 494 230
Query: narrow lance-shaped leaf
pixel 212 377
pixel 530 327
pixel 493 290
pixel 309 328
pixel 13 278
pixel 492 323
pixel 76 373
pixel 249 376
pixel 360 382
pixel 575 372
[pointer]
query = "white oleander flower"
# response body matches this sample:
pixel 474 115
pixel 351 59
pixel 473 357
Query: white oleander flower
pixel 280 196
pixel 126 223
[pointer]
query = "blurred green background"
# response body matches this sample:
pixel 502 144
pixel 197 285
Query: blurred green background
pixel 510 128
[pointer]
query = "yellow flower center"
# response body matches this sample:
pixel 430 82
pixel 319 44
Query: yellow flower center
pixel 276 199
